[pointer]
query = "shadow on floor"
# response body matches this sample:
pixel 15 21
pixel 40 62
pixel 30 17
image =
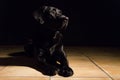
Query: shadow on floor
pixel 21 59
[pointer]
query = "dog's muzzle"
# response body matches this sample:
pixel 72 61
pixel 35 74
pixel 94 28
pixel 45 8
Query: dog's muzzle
pixel 64 21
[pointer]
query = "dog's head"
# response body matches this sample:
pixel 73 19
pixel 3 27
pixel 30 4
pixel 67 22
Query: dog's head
pixel 51 16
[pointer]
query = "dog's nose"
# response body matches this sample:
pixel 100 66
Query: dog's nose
pixel 64 17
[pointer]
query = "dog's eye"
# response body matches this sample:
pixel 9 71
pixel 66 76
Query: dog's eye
pixel 53 13
pixel 54 9
pixel 60 12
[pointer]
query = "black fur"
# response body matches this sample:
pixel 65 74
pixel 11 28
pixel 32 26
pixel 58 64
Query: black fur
pixel 46 43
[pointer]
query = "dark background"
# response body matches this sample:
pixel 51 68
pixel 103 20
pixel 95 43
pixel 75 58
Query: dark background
pixel 92 22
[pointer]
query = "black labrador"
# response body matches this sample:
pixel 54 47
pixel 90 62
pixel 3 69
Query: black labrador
pixel 46 43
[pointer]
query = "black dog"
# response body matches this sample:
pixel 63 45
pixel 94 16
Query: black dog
pixel 46 43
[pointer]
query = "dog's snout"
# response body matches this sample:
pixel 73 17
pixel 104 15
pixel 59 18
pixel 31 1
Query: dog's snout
pixel 64 17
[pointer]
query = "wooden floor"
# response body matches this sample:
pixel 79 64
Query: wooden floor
pixel 88 63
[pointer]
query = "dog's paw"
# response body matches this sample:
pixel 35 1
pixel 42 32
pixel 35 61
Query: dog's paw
pixel 51 71
pixel 65 71
pixel 46 69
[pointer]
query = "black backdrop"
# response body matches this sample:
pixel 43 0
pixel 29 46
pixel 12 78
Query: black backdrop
pixel 92 22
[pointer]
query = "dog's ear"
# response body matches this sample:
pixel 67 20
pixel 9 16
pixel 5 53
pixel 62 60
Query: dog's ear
pixel 38 16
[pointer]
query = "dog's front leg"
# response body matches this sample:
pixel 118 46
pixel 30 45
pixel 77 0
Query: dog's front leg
pixel 57 51
pixel 59 57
